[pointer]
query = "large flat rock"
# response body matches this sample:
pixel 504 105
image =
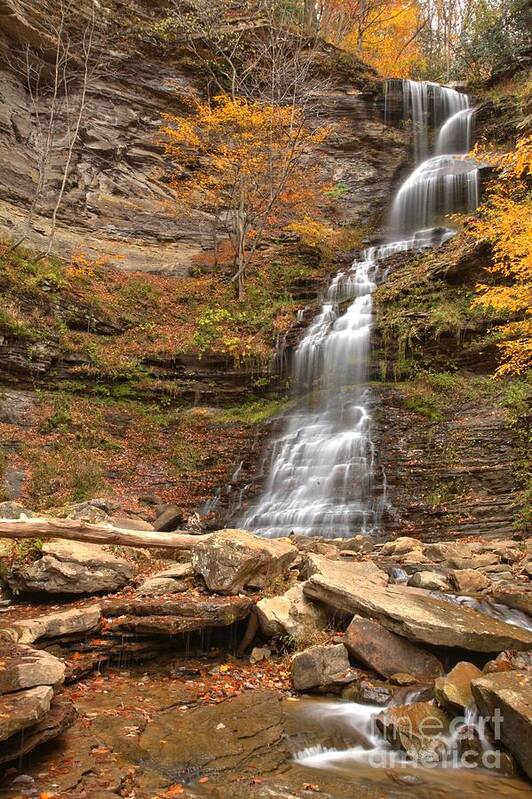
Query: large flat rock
pixel 509 693
pixel 23 709
pixel 25 667
pixel 415 614
pixel 173 615
pixel 60 716
pixel 52 625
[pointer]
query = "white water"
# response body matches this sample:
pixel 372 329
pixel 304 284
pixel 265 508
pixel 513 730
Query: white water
pixel 323 478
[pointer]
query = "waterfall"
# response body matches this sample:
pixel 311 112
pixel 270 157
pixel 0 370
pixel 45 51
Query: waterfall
pixel 322 477
pixel 436 187
pixel 456 134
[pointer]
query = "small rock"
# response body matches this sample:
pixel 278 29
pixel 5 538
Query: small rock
pixel 259 653
pixel 469 581
pixel 401 546
pixel 509 661
pixel 168 519
pixel 319 666
pixel 367 692
pixel 430 581
pixel 402 678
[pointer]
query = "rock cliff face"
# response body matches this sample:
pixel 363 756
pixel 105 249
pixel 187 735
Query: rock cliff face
pixel 118 204
pixel 450 438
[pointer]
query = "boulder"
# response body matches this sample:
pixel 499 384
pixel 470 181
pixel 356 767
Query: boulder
pixel 291 614
pixel 388 653
pixel 475 562
pixel 70 567
pixel 93 510
pixel 169 519
pixel 416 728
pixel 429 581
pixel 401 546
pixel 454 690
pixel 319 666
pixel 23 709
pixel 232 559
pixel 52 625
pixel 24 667
pixel 469 581
pixel 361 544
pixel 415 613
pixel 518 597
pixel 510 694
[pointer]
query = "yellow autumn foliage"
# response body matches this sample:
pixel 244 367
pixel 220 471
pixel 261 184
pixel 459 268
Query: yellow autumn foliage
pixel 505 220
pixel 387 41
pixel 245 163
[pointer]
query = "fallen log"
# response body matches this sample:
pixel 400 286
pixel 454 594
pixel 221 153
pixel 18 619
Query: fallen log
pixel 75 530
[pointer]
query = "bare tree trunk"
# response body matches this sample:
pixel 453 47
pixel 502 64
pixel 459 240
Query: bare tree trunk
pixel 88 37
pixel 311 17
pixel 96 533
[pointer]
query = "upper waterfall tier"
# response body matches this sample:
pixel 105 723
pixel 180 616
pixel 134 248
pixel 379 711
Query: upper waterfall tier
pixel 425 105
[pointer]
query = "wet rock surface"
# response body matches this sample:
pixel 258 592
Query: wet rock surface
pixel 454 690
pixel 511 694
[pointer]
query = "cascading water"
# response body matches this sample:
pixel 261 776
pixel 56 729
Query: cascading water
pixel 322 466
pixel 323 479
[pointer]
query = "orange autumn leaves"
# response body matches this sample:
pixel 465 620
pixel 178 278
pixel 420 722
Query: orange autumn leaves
pixel 246 164
pixel 382 32
pixel 505 221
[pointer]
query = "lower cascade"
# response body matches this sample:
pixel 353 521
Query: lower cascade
pixel 323 476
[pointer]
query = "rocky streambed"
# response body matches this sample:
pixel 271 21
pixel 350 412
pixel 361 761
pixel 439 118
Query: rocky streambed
pixel 256 667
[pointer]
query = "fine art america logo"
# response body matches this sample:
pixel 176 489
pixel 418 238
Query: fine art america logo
pixel 468 741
